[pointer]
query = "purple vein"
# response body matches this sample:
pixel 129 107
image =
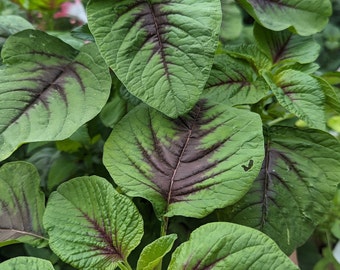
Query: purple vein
pixel 160 41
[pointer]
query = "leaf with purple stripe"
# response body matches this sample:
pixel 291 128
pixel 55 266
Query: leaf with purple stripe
pixel 161 50
pixel 300 94
pixel 295 187
pixel 286 46
pixel 233 81
pixel 91 225
pixel 188 166
pixel 48 89
pixel 222 245
pixel 22 205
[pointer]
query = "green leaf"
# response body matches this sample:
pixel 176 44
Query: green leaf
pixel 295 187
pixel 332 94
pixel 48 89
pixel 62 169
pixel 11 24
pixel 332 78
pixel 334 123
pixel 234 81
pixel 232 25
pixel 24 263
pixel 189 166
pixel 22 204
pixel 92 226
pixel 300 94
pixel 309 68
pixel 83 33
pixel 303 17
pixel 153 253
pixel 42 160
pixel 286 46
pixel 118 106
pixel 222 245
pixel 252 54
pixel 162 52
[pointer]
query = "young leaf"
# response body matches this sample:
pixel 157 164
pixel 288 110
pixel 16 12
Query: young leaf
pixel 24 263
pixel 332 94
pixel 295 187
pixel 120 103
pixel 189 166
pixel 48 89
pixel 300 94
pixel 222 245
pixel 22 204
pixel 153 253
pixel 309 68
pixel 252 54
pixel 161 51
pixel 234 81
pixel 304 17
pixel 91 225
pixel 284 45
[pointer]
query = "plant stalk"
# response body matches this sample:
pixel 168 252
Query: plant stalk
pixel 124 265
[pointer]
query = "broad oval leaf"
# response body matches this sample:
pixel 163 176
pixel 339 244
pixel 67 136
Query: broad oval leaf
pixel 24 263
pixel 189 166
pixel 222 245
pixel 300 94
pixel 48 89
pixel 161 50
pixel 90 225
pixel 22 204
pixel 304 17
pixel 295 187
pixel 286 46
pixel 234 81
pixel 153 253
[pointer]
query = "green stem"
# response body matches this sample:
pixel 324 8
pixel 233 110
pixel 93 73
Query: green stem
pixel 328 237
pixel 164 229
pixel 164 226
pixel 280 119
pixel 124 265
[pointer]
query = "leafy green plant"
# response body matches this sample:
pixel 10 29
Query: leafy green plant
pixel 161 142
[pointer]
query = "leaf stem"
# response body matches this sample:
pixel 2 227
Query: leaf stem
pixel 164 229
pixel 279 119
pixel 164 226
pixel 124 265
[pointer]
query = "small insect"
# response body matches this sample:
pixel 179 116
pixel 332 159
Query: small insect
pixel 250 164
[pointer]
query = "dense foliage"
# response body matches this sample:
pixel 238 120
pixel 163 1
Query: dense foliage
pixel 177 134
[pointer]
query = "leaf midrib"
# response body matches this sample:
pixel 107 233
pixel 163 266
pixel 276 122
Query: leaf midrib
pixel 23 233
pixel 178 163
pixel 160 41
pixel 35 100
pixel 278 54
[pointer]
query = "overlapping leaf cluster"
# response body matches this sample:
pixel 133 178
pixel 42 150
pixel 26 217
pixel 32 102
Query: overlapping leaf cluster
pixel 199 127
